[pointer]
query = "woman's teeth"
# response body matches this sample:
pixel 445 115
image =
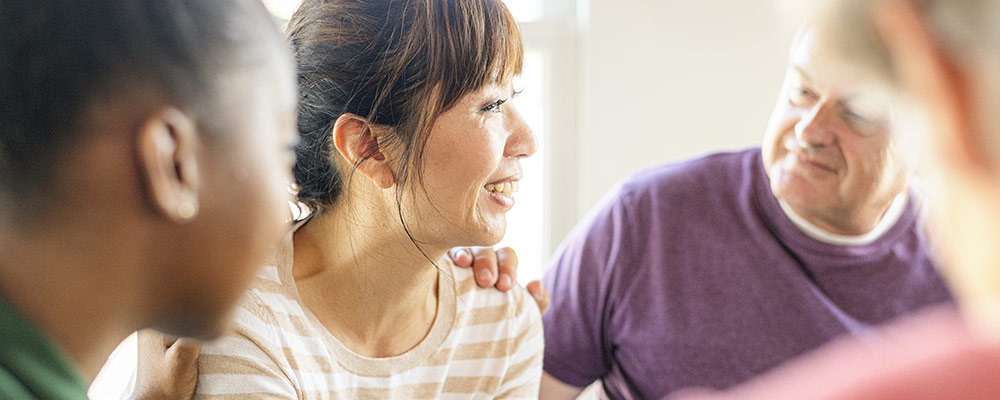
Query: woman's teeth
pixel 506 188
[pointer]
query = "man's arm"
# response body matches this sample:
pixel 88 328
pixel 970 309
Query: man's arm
pixel 584 270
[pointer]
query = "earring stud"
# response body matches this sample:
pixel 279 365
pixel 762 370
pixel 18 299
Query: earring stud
pixel 186 210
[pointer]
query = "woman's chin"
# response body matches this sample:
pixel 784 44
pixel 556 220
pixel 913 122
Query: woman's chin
pixel 490 236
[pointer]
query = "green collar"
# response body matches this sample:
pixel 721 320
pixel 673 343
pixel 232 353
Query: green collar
pixel 30 365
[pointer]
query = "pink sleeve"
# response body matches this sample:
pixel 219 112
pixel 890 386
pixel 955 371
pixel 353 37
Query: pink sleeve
pixel 929 356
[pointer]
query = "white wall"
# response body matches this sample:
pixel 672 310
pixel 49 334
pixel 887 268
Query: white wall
pixel 668 80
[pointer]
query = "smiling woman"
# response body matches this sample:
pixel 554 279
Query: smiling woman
pixel 410 146
pixel 477 218
pixel 536 224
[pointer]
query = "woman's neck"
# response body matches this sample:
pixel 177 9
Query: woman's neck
pixel 359 273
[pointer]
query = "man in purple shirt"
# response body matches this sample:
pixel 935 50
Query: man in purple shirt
pixel 942 57
pixel 709 272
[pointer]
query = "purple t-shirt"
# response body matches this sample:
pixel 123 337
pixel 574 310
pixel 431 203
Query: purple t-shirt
pixel 691 275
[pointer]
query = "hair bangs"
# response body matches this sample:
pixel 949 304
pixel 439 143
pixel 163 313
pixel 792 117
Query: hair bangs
pixel 478 43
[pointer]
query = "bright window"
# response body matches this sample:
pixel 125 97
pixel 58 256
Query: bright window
pixel 545 208
pixel 526 222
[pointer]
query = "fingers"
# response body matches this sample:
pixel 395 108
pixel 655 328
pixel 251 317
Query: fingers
pixel 484 266
pixel 540 294
pixel 461 256
pixel 167 368
pixel 507 268
pixel 491 267
pixel 187 342
pixel 168 340
pixel 184 350
pixel 155 347
pixel 152 346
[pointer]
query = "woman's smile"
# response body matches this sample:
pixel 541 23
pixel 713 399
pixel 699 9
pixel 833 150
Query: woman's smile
pixel 502 192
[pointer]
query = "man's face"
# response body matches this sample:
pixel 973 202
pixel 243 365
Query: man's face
pixel 828 149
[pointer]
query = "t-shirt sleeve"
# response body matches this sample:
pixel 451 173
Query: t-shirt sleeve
pixel 243 364
pixel 580 280
pixel 929 356
pixel 522 378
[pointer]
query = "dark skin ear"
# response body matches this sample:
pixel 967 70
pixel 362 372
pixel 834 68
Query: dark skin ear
pixel 929 74
pixel 167 144
pixel 359 144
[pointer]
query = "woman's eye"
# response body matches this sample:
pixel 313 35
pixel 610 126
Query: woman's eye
pixel 495 106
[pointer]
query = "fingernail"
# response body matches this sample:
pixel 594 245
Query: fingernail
pixel 538 296
pixel 486 276
pixel 505 280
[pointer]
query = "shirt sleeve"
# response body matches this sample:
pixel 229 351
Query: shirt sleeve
pixel 929 356
pixel 243 365
pixel 523 376
pixel 578 344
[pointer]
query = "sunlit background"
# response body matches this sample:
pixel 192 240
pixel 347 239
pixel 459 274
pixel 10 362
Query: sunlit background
pixel 613 87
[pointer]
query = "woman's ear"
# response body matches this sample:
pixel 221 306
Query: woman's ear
pixel 359 144
pixel 927 72
pixel 167 146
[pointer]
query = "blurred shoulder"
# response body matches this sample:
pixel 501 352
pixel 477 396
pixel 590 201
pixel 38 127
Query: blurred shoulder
pixel 715 169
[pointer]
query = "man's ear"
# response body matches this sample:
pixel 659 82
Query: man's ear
pixel 359 144
pixel 167 145
pixel 928 73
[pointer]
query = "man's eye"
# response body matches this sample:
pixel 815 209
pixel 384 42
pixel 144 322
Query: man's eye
pixel 856 117
pixel 495 106
pixel 865 123
pixel 866 111
pixel 801 96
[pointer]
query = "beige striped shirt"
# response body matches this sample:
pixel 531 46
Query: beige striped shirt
pixel 483 344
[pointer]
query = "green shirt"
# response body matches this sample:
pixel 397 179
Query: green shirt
pixel 31 367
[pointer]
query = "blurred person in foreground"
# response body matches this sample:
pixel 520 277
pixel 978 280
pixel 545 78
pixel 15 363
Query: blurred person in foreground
pixel 943 58
pixel 145 153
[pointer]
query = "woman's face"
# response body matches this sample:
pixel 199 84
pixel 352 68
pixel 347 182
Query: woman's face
pixel 471 168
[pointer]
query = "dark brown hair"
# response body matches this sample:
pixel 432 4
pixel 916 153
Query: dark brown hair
pixel 397 63
pixel 59 57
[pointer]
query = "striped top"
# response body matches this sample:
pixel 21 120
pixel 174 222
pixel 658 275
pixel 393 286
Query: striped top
pixel 482 344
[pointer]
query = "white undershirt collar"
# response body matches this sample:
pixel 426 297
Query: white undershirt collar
pixel 888 220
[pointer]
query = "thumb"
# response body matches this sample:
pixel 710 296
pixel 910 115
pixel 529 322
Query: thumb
pixel 540 294
pixel 184 350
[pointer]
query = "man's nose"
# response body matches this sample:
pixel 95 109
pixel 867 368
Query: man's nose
pixel 816 128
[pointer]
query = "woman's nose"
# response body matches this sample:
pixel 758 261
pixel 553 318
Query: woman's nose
pixel 521 143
